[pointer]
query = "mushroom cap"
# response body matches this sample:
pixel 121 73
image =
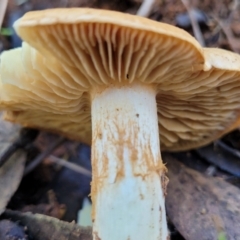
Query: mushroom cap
pixel 35 97
pixel 106 46
pixel 73 50
pixel 212 110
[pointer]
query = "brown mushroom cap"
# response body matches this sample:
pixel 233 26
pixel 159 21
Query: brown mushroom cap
pixel 78 49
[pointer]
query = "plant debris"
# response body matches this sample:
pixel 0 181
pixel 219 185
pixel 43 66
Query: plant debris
pixel 12 231
pixel 10 176
pixel 201 207
pixel 41 227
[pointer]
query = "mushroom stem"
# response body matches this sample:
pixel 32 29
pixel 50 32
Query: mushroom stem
pixel 127 194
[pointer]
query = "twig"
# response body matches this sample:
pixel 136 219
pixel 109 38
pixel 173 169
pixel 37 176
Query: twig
pixel 70 165
pixel 145 8
pixel 43 155
pixel 3 7
pixel 196 29
pixel 224 161
pixel 224 146
pixel 224 25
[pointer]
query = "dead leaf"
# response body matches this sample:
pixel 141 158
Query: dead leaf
pixel 8 133
pixel 12 171
pixel 11 174
pixel 201 207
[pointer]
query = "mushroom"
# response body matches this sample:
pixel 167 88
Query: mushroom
pixel 125 77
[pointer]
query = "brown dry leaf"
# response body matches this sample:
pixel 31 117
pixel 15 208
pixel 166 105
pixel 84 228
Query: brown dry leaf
pixel 10 176
pixel 12 171
pixel 199 206
pixel 42 227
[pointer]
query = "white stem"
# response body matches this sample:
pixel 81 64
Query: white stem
pixel 127 194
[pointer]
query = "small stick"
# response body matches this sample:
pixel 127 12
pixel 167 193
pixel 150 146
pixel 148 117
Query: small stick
pixel 196 29
pixel 233 151
pixel 145 8
pixel 70 165
pixel 43 155
pixel 3 7
pixel 225 26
